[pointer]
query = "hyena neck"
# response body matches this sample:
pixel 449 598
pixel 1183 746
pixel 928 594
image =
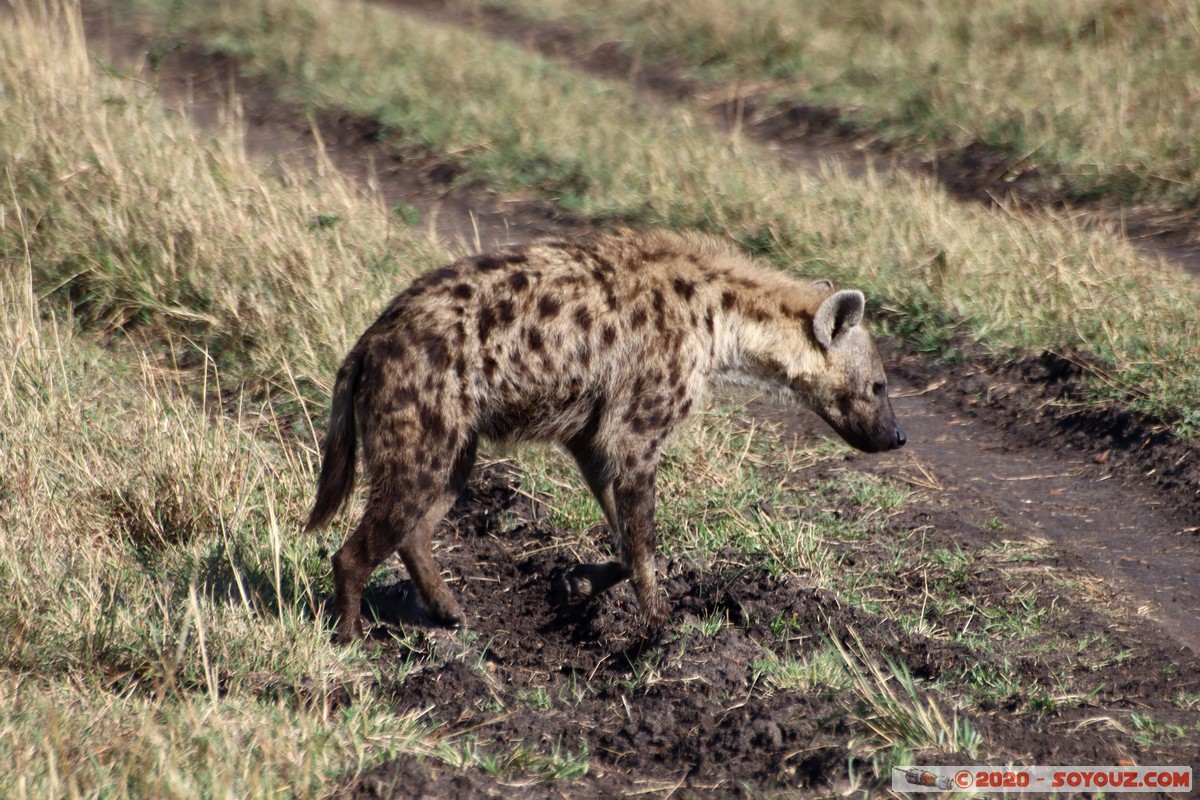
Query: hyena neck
pixel 763 339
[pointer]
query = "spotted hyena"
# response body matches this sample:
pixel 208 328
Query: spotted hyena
pixel 603 345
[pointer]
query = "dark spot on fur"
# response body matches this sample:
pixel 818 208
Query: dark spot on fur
pixel 489 367
pixel 432 423
pixel 518 281
pixel 436 278
pixel 650 256
pixel 505 312
pixel 436 351
pixel 391 348
pixel 460 366
pixel 487 320
pixel 534 337
pixel 728 299
pixel 660 315
pixel 708 321
pixel 406 395
pixel 462 291
pixel 424 481
pixel 638 318
pixel 583 318
pixel 548 307
pixel 791 312
pixel 685 408
pixel 608 335
pixel 488 263
pixel 584 355
pixel 684 288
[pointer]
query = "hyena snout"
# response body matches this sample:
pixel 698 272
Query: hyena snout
pixel 878 437
pixel 866 422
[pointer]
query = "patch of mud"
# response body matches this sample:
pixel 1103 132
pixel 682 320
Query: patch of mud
pixel 690 711
pixel 1114 491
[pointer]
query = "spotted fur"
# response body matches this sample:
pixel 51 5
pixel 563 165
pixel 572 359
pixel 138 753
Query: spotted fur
pixel 602 345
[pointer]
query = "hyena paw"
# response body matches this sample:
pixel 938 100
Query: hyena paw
pixel 348 631
pixel 654 613
pixel 577 586
pixel 448 615
pixel 586 581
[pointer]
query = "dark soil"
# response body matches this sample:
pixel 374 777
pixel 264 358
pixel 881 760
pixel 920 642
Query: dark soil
pixel 687 710
pixel 997 456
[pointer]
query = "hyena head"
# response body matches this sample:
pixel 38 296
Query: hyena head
pixel 850 391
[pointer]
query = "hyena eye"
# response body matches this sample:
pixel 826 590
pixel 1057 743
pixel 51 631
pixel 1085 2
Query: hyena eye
pixel 878 388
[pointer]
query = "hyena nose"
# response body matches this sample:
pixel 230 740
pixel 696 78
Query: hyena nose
pixel 900 438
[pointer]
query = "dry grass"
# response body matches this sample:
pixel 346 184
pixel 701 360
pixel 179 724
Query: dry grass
pixel 1104 91
pixel 164 626
pixel 526 124
pixel 173 227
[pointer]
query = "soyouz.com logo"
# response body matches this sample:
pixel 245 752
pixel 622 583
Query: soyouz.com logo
pixel 1042 779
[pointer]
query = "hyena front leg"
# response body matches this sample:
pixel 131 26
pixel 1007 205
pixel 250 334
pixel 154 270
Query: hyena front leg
pixel 635 503
pixel 400 518
pixel 627 499
pixel 589 580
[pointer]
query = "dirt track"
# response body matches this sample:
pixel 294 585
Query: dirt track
pixel 690 715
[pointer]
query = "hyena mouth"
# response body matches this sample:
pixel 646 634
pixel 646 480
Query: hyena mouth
pixel 893 440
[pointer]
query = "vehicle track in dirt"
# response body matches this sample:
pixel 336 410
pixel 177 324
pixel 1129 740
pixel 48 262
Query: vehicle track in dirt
pixel 809 137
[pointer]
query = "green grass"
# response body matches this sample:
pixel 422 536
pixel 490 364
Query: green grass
pixel 1100 92
pixel 823 670
pixel 897 712
pixel 528 126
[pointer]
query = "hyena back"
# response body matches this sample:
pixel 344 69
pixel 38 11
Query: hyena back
pixel 602 345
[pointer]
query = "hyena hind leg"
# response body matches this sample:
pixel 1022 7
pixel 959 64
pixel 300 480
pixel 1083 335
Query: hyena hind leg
pixel 406 525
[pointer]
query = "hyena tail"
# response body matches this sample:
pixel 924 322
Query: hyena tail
pixel 338 458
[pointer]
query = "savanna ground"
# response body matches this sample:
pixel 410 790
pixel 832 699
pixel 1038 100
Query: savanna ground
pixel 1016 586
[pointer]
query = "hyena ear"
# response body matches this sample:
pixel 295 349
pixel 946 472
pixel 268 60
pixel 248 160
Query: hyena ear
pixel 840 312
pixel 824 283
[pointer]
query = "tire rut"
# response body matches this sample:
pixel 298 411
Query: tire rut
pixel 811 137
